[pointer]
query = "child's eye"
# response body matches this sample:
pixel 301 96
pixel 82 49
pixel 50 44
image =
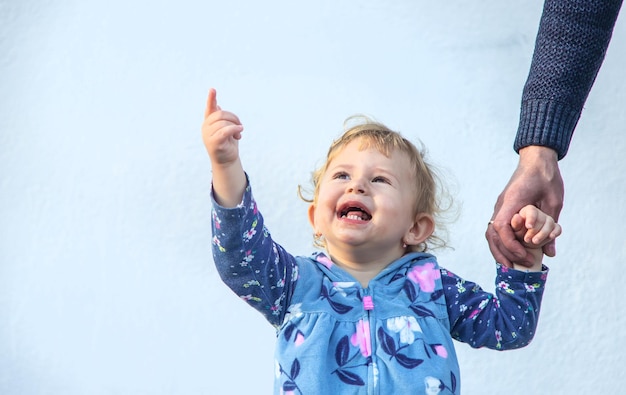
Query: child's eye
pixel 380 179
pixel 341 176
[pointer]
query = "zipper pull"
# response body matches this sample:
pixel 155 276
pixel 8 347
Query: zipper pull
pixel 368 303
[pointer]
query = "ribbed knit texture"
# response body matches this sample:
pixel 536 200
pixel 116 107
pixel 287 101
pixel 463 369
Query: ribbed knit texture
pixel 571 44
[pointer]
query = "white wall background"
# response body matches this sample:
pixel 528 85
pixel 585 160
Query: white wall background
pixel 106 280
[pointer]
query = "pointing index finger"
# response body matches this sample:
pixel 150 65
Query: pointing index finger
pixel 211 103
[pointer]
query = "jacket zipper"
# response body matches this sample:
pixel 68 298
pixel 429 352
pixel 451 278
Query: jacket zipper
pixel 368 306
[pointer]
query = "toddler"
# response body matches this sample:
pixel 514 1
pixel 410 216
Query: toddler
pixel 373 313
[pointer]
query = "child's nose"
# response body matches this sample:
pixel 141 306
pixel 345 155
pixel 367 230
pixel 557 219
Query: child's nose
pixel 356 186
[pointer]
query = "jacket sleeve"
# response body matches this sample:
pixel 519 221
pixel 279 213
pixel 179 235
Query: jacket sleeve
pixel 506 320
pixel 256 268
pixel 572 40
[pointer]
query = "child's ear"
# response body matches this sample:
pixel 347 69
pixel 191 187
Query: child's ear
pixel 423 227
pixel 311 213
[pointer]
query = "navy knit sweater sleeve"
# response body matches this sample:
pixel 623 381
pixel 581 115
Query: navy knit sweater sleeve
pixel 571 43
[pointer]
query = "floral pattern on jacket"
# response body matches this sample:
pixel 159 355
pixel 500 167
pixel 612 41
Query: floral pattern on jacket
pixel 395 336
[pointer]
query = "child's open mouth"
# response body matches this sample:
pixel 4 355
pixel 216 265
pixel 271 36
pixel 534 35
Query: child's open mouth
pixel 355 212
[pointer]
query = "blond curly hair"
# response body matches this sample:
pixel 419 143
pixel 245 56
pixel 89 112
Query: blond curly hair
pixel 430 195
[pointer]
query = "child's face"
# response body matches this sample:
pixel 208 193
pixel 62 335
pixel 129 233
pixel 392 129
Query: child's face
pixel 365 202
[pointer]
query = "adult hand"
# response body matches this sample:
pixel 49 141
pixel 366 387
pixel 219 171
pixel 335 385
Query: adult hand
pixel 537 181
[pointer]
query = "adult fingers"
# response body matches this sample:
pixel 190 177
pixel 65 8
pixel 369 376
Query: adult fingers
pixel 504 234
pixel 552 201
pixel 550 249
pixel 500 252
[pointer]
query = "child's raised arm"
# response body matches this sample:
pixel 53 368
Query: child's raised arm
pixel 534 229
pixel 221 132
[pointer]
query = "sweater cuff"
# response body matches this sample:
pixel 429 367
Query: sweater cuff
pixel 546 123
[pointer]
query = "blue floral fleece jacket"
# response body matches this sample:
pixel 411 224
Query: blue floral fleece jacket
pixel 393 337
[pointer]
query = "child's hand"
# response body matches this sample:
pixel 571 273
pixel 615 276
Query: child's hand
pixel 534 229
pixel 221 132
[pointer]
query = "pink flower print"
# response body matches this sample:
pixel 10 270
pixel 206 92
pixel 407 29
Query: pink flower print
pixel 324 260
pixel 531 287
pixel 425 276
pixel 441 351
pixel 299 339
pixel 474 314
pixel 362 338
pixel 480 308
pixel 503 285
pixel 216 221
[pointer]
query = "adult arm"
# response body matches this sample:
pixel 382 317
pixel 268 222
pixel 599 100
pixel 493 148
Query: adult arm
pixel 571 43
